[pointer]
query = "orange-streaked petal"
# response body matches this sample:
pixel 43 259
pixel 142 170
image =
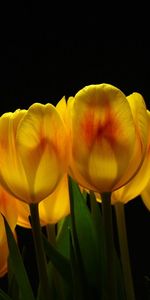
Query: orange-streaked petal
pixel 2 228
pixel 23 211
pixel 3 257
pixel 8 207
pixel 136 185
pixel 44 154
pixel 4 252
pixel 103 134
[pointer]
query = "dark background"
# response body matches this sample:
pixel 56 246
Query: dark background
pixel 46 54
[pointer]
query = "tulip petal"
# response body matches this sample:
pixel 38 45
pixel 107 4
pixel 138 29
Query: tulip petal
pixel 106 162
pixel 2 228
pixel 103 136
pixel 8 207
pixel 140 117
pixel 43 154
pixel 61 107
pixel 3 257
pixel 12 173
pixel 23 214
pixel 57 205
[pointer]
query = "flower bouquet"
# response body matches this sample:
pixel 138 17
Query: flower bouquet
pixel 63 170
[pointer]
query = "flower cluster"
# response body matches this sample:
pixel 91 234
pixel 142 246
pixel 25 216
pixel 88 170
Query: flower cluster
pixel 100 138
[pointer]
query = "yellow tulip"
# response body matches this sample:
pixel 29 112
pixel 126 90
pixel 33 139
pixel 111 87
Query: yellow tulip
pixel 138 183
pixel 8 208
pixel 109 135
pixel 33 152
pixel 51 210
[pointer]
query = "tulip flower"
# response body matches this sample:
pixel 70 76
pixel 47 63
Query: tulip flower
pixel 8 209
pixel 108 142
pixel 138 183
pixel 33 152
pixel 109 136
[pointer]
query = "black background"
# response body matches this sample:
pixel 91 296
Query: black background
pixel 48 52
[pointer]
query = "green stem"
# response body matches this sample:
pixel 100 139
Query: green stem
pixel 124 251
pixel 111 285
pixel 39 249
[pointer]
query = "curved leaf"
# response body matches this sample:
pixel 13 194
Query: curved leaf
pixel 18 266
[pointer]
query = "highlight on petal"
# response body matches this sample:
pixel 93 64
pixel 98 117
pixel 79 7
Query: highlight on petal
pixel 57 205
pixel 105 162
pixel 136 185
pixel 103 134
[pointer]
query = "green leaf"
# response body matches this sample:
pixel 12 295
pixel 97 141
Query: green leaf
pixel 13 289
pixel 61 289
pixel 85 239
pixel 4 296
pixel 60 262
pixel 18 266
pixel 39 292
pixel 63 239
pixel 78 284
